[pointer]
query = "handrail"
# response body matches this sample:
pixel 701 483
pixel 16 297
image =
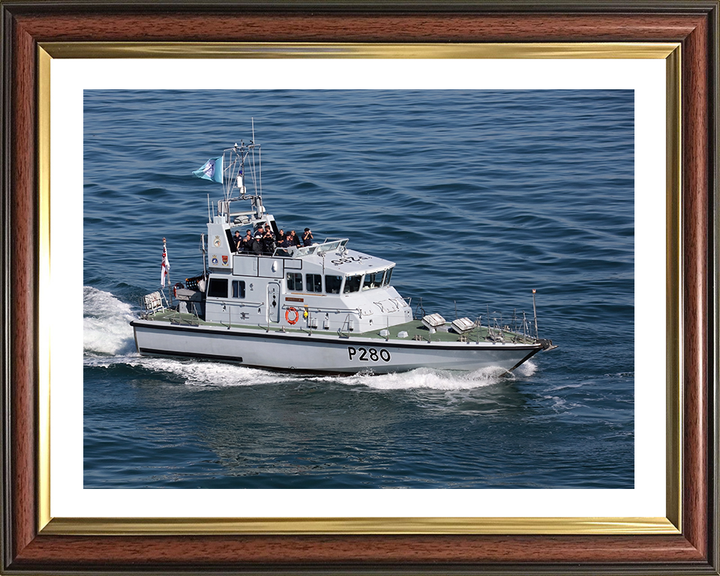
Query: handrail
pixel 237 302
pixel 358 311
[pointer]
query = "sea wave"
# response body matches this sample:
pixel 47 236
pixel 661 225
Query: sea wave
pixel 194 373
pixel 106 323
pixel 433 379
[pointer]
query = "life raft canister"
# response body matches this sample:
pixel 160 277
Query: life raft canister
pixel 295 315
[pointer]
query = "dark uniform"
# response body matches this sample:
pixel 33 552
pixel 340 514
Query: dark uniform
pixel 307 237
pixel 257 243
pixel 268 242
pixel 247 242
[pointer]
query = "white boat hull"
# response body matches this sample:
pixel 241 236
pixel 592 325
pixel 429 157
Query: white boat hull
pixel 322 351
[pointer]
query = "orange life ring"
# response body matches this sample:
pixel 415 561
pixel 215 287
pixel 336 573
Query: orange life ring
pixel 295 317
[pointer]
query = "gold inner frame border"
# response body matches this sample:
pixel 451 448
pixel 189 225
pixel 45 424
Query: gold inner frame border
pixel 671 524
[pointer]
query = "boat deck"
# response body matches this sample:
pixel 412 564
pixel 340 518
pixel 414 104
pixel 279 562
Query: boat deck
pixel 415 330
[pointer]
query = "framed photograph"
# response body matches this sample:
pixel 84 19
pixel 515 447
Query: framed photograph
pixel 591 126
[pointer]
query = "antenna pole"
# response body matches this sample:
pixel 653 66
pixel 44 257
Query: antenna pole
pixel 202 247
pixel 242 169
pixel 535 315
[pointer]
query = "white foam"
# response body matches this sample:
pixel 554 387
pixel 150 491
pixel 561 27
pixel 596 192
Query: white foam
pixel 212 373
pixel 428 378
pixel 527 369
pixel 106 323
pixel 194 373
pixel 216 374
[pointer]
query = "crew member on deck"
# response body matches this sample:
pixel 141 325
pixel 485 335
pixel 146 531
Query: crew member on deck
pixel 257 243
pixel 248 242
pixel 268 241
pixel 307 237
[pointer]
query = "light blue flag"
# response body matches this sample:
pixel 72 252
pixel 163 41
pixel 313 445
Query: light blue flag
pixel 211 170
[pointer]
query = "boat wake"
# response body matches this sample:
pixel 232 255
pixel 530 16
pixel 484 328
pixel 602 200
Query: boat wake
pixel 106 324
pixel 432 379
pixel 196 373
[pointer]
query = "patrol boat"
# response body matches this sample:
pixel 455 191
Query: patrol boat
pixel 320 308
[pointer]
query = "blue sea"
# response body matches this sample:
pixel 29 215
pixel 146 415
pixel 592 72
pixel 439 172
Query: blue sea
pixel 478 196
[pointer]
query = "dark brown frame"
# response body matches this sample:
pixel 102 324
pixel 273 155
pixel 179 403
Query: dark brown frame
pixel 692 23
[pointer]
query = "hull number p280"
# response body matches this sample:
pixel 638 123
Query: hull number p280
pixel 368 354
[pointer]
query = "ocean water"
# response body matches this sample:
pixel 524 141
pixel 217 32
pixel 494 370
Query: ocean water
pixel 478 196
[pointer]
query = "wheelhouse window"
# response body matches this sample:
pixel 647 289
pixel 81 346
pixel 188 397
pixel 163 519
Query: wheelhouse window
pixel 373 280
pixel 313 282
pixel 218 288
pixel 386 282
pixel 333 284
pixel 352 284
pixel 238 289
pixel 294 281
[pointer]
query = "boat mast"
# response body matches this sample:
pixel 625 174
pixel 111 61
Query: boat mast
pixel 234 160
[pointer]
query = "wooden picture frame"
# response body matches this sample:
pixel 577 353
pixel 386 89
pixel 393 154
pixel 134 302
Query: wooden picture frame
pixel 29 546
